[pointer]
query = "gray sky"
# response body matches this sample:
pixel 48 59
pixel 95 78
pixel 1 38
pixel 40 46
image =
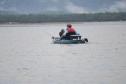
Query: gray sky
pixel 64 6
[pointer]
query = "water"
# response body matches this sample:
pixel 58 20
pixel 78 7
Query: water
pixel 28 56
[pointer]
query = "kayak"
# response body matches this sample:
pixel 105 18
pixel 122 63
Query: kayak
pixel 74 39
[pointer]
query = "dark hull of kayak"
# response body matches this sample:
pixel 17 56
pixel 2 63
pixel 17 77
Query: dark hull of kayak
pixel 56 40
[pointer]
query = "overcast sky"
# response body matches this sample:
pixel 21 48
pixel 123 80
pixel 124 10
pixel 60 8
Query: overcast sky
pixel 65 6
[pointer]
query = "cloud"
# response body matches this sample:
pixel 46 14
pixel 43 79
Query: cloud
pixel 73 8
pixel 8 9
pixel 52 9
pixel 55 1
pixel 2 2
pixel 118 6
pixel 65 6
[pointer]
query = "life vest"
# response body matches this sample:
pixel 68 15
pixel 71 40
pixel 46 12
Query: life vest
pixel 71 30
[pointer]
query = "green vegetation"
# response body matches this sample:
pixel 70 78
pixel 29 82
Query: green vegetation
pixel 37 18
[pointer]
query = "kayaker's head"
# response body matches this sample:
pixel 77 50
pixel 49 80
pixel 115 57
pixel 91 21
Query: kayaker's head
pixel 62 30
pixel 69 25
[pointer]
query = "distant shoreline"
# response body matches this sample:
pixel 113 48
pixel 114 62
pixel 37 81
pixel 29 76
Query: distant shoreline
pixel 50 18
pixel 16 23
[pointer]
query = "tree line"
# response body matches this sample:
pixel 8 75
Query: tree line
pixel 38 18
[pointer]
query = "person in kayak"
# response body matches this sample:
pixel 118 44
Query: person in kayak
pixel 61 33
pixel 69 31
